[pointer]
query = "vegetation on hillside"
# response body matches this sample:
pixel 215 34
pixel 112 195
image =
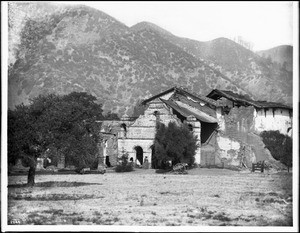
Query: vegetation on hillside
pixel 82 49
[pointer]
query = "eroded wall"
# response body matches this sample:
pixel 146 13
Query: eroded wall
pixel 238 139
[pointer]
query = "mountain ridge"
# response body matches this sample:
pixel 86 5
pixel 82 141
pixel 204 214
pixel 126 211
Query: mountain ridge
pixel 282 54
pixel 79 49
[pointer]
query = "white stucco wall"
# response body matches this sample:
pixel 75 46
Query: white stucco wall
pixel 266 120
pixel 263 120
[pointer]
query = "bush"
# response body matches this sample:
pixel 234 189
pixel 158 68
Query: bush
pixel 124 165
pixel 174 143
pixel 280 146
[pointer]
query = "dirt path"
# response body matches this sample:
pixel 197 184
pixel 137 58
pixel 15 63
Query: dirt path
pixel 210 197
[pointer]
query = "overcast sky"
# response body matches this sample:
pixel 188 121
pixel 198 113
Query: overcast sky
pixel 265 24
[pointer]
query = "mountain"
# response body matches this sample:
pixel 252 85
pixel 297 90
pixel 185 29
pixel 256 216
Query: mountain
pixel 78 48
pixel 256 75
pixel 282 54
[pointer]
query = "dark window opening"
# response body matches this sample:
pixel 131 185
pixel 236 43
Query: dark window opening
pixel 190 126
pixel 207 129
pixel 180 117
pixel 107 161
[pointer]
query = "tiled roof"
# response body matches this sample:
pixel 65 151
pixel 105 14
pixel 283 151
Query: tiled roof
pixel 202 107
pixel 244 100
pixel 201 116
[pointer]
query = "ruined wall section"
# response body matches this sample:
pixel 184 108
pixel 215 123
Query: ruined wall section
pixel 109 144
pixel 238 140
pixel 208 152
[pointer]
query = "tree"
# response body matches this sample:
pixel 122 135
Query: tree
pixel 67 123
pixel 175 143
pixel 23 141
pixel 279 145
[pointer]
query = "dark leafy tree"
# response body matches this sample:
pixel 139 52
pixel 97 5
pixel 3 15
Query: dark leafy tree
pixel 174 143
pixel 280 146
pixel 23 141
pixel 67 123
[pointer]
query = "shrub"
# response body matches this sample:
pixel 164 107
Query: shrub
pixel 173 143
pixel 280 146
pixel 124 165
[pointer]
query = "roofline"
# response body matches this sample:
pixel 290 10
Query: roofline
pixel 256 104
pixel 158 95
pixel 202 98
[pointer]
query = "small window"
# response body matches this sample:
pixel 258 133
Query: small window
pixel 123 126
pixel 156 113
pixel 190 127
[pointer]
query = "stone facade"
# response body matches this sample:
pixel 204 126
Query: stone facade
pixel 138 138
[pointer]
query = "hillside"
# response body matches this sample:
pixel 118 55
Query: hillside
pixel 258 76
pixel 281 54
pixel 78 48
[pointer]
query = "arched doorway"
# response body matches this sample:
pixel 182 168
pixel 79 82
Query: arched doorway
pixel 139 154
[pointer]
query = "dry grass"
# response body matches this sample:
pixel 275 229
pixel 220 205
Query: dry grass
pixel 211 197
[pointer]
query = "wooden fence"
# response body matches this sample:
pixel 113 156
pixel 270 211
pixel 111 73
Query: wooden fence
pixel 259 166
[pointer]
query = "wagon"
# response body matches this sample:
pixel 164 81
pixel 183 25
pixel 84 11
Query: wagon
pixel 180 168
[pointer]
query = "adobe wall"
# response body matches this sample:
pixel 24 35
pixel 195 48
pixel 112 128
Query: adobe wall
pixel 238 140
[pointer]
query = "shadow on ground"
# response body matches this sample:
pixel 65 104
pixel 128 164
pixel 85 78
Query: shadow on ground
pixel 54 184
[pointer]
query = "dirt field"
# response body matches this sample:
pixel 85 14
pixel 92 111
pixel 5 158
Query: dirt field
pixel 209 197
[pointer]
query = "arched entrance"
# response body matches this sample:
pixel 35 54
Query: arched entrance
pixel 139 154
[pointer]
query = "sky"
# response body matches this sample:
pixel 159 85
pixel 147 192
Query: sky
pixel 265 24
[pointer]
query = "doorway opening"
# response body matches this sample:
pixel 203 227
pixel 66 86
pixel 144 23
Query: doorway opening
pixel 107 161
pixel 139 154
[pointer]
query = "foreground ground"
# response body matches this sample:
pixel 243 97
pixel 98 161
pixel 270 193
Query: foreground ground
pixel 211 197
